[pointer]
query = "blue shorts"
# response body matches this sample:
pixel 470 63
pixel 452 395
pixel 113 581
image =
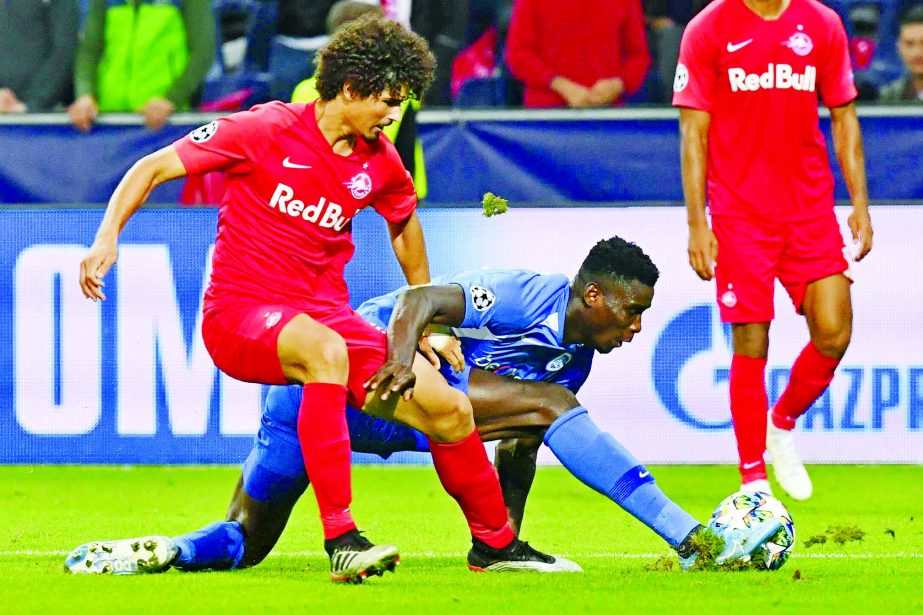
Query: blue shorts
pixel 275 466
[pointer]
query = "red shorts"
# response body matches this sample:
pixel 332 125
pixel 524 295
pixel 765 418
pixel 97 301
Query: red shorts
pixel 752 254
pixel 243 342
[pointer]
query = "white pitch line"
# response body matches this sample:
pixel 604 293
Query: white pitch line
pixel 433 555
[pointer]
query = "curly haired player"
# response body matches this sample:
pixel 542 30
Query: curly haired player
pixel 276 309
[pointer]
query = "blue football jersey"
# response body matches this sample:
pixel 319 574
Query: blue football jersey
pixel 514 325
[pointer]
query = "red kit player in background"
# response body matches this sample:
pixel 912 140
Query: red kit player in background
pixel 276 309
pixel 747 84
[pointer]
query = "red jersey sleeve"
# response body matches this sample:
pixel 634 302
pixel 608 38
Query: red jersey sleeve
pixel 835 76
pixel 227 144
pixel 696 72
pixel 398 197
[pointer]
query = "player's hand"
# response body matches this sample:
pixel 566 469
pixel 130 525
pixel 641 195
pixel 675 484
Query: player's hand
pixel 449 347
pixel 156 112
pixel 94 266
pixel 703 250
pixel 82 112
pixel 860 223
pixel 393 378
pixel 426 349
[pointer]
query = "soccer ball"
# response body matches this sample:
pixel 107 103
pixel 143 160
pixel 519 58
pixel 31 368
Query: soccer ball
pixel 743 509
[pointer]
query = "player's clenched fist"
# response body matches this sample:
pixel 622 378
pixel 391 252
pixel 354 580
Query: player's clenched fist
pixel 94 266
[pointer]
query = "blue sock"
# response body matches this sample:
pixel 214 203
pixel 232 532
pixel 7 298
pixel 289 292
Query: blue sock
pixel 217 546
pixel 600 462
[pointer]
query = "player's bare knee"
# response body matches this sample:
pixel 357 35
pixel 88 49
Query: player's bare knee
pixel 452 421
pixel 833 343
pixel 557 401
pixel 330 352
pixel 321 357
pixel 548 401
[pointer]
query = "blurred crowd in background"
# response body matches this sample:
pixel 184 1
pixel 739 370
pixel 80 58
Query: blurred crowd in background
pixel 157 57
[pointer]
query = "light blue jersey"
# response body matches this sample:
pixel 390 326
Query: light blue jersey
pixel 514 325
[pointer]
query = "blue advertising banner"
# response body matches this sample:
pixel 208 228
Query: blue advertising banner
pixel 129 380
pixel 606 157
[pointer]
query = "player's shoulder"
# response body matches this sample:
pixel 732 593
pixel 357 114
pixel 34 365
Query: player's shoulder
pixel 274 113
pixel 511 276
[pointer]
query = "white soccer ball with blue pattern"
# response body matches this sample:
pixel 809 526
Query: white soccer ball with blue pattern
pixel 745 508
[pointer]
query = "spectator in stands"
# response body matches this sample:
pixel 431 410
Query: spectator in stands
pixel 666 20
pixel 301 30
pixel 403 133
pixel 148 56
pixel 909 88
pixel 483 55
pixel 590 53
pixel 442 24
pixel 37 42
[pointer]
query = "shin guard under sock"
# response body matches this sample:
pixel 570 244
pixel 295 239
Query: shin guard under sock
pixel 324 437
pixel 811 375
pixel 601 463
pixel 749 410
pixel 468 476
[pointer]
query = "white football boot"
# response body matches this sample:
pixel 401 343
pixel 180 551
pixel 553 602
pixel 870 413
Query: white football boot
pixel 786 464
pixel 760 484
pixel 144 555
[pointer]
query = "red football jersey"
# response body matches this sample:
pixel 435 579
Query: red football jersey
pixel 760 79
pixel 284 226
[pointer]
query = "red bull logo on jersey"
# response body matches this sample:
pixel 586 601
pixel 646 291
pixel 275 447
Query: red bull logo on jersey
pixel 800 43
pixel 777 77
pixel 360 186
pixel 324 213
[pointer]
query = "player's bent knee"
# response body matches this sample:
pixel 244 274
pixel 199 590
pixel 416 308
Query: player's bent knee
pixel 317 354
pixel 452 421
pixel 833 343
pixel 557 401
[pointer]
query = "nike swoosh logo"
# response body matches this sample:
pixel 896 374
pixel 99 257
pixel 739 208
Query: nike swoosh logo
pixel 643 474
pixel 752 464
pixel 293 165
pixel 732 47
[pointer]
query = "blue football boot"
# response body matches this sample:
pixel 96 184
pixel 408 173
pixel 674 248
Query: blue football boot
pixel 739 543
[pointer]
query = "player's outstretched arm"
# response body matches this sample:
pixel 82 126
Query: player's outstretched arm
pixel 703 246
pixel 129 195
pixel 847 141
pixel 415 308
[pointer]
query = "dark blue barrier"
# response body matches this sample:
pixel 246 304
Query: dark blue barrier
pixel 54 163
pixel 614 156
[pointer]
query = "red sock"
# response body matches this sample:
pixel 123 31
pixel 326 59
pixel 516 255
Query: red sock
pixel 749 407
pixel 324 438
pixel 468 476
pixel 811 375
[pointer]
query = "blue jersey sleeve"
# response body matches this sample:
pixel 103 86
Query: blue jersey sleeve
pixel 508 301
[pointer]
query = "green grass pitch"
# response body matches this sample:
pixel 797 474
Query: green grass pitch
pixel 49 510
